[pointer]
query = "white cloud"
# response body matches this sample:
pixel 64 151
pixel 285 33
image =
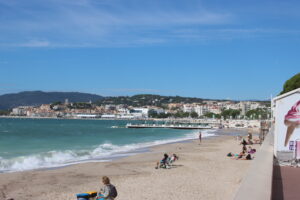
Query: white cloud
pixel 35 43
pixel 111 23
pixel 67 23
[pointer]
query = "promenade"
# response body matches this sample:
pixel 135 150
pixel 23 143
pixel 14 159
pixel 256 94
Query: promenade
pixel 286 183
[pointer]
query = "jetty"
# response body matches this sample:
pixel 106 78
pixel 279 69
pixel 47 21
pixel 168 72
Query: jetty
pixel 172 126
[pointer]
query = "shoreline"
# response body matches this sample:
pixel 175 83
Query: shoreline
pixel 134 173
pixel 117 155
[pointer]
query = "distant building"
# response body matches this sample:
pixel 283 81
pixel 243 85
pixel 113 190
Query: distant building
pixel 19 111
pixel 245 107
pixel 214 109
pixel 174 105
pixel 188 108
pixel 139 112
pixel 110 107
pixel 123 111
pixel 201 110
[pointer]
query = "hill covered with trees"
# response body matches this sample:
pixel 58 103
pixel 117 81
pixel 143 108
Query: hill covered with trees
pixel 36 98
pixel 147 99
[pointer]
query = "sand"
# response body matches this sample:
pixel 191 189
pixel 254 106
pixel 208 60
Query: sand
pixel 202 172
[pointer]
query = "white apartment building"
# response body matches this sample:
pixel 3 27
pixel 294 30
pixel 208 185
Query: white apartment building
pixel 139 112
pixel 188 108
pixel 201 110
pixel 254 105
pixel 235 106
pixel 123 111
pixel 19 111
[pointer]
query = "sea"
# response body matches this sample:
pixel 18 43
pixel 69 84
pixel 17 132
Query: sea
pixel 27 144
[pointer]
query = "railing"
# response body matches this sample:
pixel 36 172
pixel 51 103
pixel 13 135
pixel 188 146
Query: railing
pixel 258 182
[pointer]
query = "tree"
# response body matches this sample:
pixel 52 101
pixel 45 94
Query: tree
pixel 4 112
pixel 152 113
pixel 258 113
pixel 80 105
pixel 212 115
pixel 55 104
pixel 194 115
pixel 291 84
pixel 230 113
pixel 181 114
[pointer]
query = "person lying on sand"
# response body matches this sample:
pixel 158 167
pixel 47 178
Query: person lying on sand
pixel 248 157
pixel 230 154
pixel 238 156
pixel 242 156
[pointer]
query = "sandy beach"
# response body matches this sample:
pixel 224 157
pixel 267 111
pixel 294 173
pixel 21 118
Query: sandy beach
pixel 202 172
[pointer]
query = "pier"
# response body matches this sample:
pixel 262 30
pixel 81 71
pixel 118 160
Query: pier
pixel 172 126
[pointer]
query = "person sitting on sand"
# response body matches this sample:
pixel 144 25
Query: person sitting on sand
pixel 249 135
pixel 165 159
pixel 250 150
pixel 249 142
pixel 248 157
pixel 244 148
pixel 243 142
pixel 108 191
pixel 172 159
pixel 164 162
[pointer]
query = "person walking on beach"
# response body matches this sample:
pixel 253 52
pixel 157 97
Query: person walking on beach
pixel 200 137
pixel 108 191
pixel 249 135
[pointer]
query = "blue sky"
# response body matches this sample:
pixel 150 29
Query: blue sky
pixel 211 49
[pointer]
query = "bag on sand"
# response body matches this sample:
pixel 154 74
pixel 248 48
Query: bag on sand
pixel 113 191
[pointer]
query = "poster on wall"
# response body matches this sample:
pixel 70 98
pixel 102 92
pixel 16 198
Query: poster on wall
pixel 288 124
pixel 292 121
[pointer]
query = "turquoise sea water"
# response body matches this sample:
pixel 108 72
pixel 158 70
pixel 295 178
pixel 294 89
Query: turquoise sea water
pixel 42 143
